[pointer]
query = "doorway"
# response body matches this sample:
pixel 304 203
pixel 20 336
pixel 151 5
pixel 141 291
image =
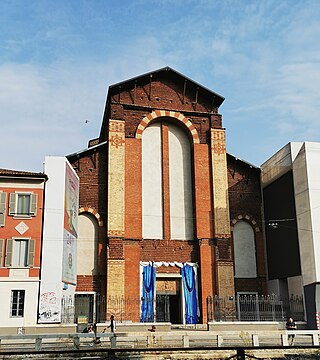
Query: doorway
pixel 168 300
pixel 84 308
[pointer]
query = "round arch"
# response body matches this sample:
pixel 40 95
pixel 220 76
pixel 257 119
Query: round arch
pixel 164 113
pixel 247 218
pixel 93 212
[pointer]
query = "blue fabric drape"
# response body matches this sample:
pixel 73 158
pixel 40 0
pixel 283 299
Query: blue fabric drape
pixel 190 294
pixel 147 293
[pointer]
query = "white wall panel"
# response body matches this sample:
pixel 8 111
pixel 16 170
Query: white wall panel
pixel 313 173
pixel 244 250
pixel 87 245
pixel 181 202
pixel 152 219
pixel 30 305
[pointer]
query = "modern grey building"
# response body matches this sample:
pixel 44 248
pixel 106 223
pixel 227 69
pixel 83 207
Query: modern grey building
pixel 291 191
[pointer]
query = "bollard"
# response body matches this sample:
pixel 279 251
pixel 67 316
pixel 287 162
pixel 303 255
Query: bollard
pixel 113 341
pixel 255 340
pixel 285 341
pixel 185 339
pixel 76 342
pixel 315 339
pixel 219 340
pixel 240 354
pixel 38 344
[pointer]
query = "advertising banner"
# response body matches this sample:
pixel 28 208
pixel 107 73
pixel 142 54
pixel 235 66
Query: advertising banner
pixel 71 205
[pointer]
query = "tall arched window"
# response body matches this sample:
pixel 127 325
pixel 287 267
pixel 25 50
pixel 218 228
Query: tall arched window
pixel 152 219
pixel 181 205
pixel 244 250
pixel 87 245
pixel 166 182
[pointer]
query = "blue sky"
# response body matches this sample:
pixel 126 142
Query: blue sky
pixel 57 59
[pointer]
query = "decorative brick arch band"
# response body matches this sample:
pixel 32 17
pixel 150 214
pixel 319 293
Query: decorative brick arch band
pixel 247 218
pixel 93 212
pixel 173 114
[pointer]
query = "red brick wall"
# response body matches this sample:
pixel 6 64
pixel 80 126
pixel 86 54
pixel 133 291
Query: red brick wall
pixel 203 198
pixel 133 187
pixel 132 277
pixel 206 275
pixel 133 106
pixel 245 202
pixel 91 167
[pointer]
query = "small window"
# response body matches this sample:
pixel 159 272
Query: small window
pixel 17 303
pixel 23 204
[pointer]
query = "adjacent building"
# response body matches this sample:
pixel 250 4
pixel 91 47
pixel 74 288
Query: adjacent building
pixel 59 248
pixel 291 191
pixel 21 214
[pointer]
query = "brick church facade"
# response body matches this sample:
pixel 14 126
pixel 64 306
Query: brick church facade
pixel 159 190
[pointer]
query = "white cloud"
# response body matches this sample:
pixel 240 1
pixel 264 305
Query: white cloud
pixel 262 56
pixel 43 109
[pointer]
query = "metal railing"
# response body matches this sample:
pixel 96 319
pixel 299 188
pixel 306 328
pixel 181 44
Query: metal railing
pixel 254 308
pixel 164 340
pixel 241 307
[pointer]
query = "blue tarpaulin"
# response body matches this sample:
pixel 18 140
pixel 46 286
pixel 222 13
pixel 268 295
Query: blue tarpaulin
pixel 190 294
pixel 147 293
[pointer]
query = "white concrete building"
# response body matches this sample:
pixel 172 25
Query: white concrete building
pixel 291 189
pixel 59 250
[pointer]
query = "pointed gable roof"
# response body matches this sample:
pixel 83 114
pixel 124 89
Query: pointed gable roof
pixel 168 72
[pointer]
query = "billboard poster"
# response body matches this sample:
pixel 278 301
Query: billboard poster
pixel 71 203
pixel 69 274
pixel 71 206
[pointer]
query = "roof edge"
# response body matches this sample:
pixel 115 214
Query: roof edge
pixel 87 149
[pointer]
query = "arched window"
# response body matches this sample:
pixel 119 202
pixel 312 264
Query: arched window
pixel 181 204
pixel 244 250
pixel 152 219
pixel 166 168
pixel 87 245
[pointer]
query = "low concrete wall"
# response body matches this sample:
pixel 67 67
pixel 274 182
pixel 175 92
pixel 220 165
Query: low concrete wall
pixel 135 327
pixel 40 329
pixel 251 325
pixel 245 325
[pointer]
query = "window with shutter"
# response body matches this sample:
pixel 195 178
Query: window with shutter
pixel 12 204
pixel 33 207
pixel 8 258
pixel 20 253
pixel 31 248
pixel 23 204
pixel 1 251
pixel 3 197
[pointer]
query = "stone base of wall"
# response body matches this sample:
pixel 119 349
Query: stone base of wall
pixel 39 329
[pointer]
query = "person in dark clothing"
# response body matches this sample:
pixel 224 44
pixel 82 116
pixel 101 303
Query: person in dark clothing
pixel 112 325
pixel 291 325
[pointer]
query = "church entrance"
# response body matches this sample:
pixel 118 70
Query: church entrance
pixel 168 300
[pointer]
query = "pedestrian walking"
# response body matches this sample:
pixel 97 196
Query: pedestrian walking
pixel 291 325
pixel 112 325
